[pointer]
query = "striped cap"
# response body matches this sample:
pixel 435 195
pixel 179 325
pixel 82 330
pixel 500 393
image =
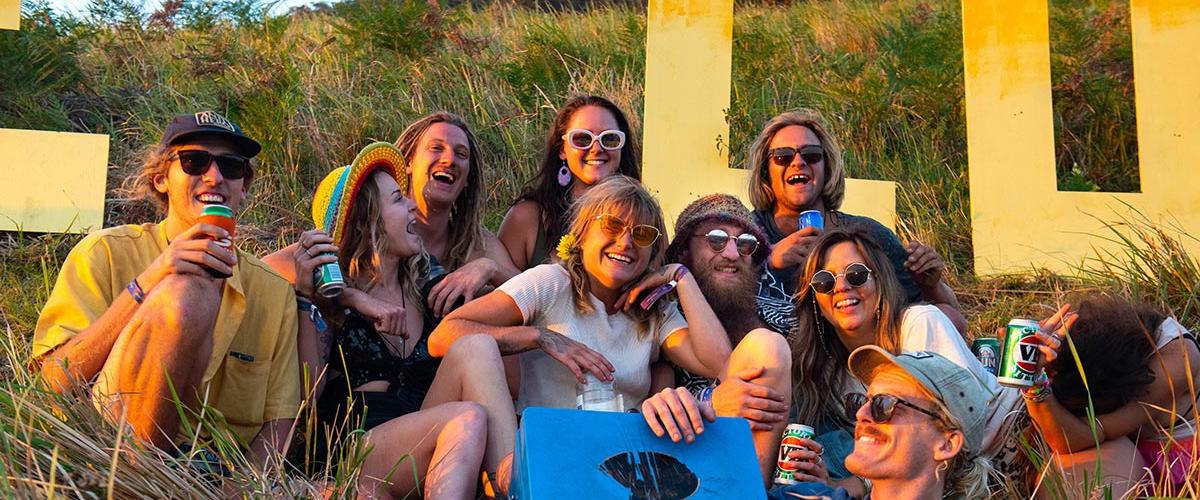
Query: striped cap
pixel 335 194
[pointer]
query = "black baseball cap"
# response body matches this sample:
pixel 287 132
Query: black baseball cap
pixel 209 123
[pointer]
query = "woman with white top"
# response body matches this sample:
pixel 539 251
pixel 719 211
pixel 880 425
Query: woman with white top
pixel 586 315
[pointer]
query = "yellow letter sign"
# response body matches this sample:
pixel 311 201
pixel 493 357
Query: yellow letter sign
pixel 50 181
pixel 10 14
pixel 1019 218
pixel 689 54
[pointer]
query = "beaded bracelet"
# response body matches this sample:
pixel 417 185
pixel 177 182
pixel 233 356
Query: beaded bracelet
pixel 706 394
pixel 1039 391
pixel 135 291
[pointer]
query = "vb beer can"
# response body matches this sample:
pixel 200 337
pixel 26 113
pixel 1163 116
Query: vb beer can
pixel 785 468
pixel 1019 358
pixel 220 216
pixel 811 218
pixel 328 279
pixel 988 352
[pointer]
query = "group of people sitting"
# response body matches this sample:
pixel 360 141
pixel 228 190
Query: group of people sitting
pixel 446 332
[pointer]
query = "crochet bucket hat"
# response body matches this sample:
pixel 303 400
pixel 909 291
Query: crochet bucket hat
pixel 719 207
pixel 335 194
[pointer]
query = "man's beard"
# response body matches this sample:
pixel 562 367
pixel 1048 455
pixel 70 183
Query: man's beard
pixel 732 300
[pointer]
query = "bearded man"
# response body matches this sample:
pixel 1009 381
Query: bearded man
pixel 716 238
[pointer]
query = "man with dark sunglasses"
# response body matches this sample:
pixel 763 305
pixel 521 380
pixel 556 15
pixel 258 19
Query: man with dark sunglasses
pixel 795 166
pixel 919 429
pixel 718 241
pixel 137 321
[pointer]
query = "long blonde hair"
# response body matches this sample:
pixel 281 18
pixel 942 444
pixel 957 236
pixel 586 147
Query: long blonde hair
pixel 365 240
pixel 466 214
pixel 819 357
pixel 762 197
pixel 615 194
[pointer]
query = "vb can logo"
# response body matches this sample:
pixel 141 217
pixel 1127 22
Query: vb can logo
pixel 214 119
pixel 1027 349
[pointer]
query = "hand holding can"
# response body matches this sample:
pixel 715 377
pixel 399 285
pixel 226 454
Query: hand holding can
pixel 222 217
pixel 811 218
pixel 792 440
pixel 1019 358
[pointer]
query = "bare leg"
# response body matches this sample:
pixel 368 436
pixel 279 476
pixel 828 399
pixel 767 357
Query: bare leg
pixel 512 371
pixel 1119 463
pixel 472 371
pixel 765 348
pixel 168 343
pixel 443 443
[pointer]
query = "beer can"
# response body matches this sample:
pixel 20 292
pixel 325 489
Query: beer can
pixel 785 468
pixel 1019 359
pixel 811 218
pixel 988 352
pixel 220 216
pixel 328 279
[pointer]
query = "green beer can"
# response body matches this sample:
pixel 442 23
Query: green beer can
pixel 328 279
pixel 785 468
pixel 988 352
pixel 1019 358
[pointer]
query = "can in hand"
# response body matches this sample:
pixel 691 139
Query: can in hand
pixel 988 352
pixel 1018 360
pixel 220 216
pixel 811 218
pixel 328 279
pixel 785 468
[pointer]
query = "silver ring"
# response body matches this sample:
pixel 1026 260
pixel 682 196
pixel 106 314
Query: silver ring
pixel 307 253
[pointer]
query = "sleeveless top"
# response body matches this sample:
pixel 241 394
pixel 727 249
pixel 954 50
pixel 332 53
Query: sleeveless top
pixel 541 254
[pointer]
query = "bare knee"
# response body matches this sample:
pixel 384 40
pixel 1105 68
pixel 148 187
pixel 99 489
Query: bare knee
pixel 475 349
pixel 180 302
pixel 762 347
pixel 469 420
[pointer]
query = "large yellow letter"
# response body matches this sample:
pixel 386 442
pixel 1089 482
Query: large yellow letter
pixel 1019 219
pixel 10 14
pixel 689 53
pixel 50 181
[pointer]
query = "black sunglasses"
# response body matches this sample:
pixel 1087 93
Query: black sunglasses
pixel 882 406
pixel 717 239
pixel 856 275
pixel 810 155
pixel 196 162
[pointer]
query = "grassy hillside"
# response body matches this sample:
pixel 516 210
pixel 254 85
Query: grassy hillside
pixel 314 86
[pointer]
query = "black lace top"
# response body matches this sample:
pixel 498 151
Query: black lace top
pixel 368 358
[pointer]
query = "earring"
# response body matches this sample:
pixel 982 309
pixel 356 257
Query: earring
pixel 564 175
pixel 820 329
pixel 941 469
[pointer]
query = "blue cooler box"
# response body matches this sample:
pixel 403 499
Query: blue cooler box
pixel 563 454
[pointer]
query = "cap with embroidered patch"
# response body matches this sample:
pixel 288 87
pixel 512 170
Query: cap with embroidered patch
pixel 209 123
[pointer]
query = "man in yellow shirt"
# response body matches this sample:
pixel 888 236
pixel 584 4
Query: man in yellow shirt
pixel 139 311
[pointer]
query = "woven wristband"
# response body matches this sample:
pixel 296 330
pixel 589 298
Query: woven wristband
pixel 135 291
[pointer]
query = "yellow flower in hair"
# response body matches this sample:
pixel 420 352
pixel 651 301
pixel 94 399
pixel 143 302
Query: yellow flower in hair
pixel 565 245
